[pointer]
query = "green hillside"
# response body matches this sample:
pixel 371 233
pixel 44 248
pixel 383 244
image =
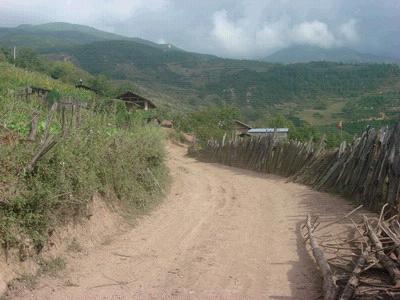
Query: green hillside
pixel 49 35
pixel 308 91
pixel 102 149
pixel 318 93
pixel 304 53
pixel 37 38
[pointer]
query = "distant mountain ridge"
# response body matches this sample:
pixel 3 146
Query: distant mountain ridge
pixel 189 80
pixel 304 54
pixel 59 34
pixel 184 80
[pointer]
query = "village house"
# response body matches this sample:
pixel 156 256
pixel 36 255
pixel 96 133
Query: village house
pixel 278 133
pixel 134 101
pixel 167 124
pixel 85 87
pixel 36 91
pixel 240 128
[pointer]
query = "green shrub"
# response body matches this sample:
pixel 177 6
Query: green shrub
pixel 28 59
pixel 210 122
pixel 3 57
pixel 127 163
pixel 52 267
pixel 101 156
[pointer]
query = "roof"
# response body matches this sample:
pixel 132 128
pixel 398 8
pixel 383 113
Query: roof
pixel 38 89
pixel 242 124
pixel 85 87
pixel 269 130
pixel 134 98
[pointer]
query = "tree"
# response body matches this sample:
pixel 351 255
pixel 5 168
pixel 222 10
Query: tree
pixel 28 59
pixel 101 84
pixel 57 72
pixel 279 121
pixel 5 55
pixel 124 87
pixel 210 122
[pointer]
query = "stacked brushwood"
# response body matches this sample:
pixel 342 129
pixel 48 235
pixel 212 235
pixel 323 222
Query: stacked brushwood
pixel 367 170
pixel 361 262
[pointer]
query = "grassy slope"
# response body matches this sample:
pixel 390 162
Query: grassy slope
pixel 315 92
pixel 15 79
pixel 305 53
pixel 257 87
pixel 59 34
pixel 112 152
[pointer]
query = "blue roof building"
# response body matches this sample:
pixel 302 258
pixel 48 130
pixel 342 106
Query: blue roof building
pixel 279 133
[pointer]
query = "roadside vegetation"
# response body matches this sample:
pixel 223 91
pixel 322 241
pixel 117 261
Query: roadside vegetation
pixel 106 150
pixel 210 122
pixel 215 122
pixel 292 96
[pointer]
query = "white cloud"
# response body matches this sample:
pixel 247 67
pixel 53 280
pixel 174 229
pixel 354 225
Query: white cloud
pixel 83 11
pixel 271 36
pixel 246 37
pixel 230 36
pixel 242 38
pixel 313 33
pixel 349 32
pixel 235 28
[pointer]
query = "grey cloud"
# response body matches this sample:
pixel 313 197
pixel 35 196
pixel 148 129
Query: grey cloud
pixel 232 28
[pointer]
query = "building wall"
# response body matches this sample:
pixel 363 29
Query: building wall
pixel 240 129
pixel 278 135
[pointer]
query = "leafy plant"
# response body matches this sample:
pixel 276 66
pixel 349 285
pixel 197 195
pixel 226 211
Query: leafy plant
pixel 102 155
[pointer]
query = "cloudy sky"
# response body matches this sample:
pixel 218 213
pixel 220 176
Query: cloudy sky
pixel 230 28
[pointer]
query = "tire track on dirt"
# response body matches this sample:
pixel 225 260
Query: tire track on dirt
pixel 221 233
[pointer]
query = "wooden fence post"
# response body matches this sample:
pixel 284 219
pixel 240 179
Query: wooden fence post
pixel 34 126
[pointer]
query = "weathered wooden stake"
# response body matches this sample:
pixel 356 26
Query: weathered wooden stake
pixel 329 285
pixel 34 127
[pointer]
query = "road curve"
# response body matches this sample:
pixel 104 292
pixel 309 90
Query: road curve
pixel 221 233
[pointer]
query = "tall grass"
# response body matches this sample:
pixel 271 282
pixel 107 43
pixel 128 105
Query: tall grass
pixel 102 155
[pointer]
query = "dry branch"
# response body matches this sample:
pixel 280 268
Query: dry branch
pixel 47 143
pixel 387 263
pixel 329 285
pixel 393 237
pixel 34 127
pixel 354 279
pixel 49 120
pixel 352 284
pixel 342 218
pixel 45 147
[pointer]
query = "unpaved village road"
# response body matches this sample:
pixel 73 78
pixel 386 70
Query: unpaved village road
pixel 222 233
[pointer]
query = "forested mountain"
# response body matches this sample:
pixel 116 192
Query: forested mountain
pixel 46 36
pixel 303 54
pixel 316 92
pixel 256 87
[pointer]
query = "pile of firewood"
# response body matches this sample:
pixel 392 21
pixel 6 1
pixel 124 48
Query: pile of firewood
pixel 361 262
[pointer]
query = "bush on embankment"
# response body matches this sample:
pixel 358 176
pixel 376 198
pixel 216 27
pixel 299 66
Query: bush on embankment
pixel 124 163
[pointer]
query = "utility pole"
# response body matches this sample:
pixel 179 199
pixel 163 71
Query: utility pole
pixel 15 53
pixel 340 126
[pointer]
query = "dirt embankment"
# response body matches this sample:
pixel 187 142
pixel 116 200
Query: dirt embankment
pixel 221 233
pixel 100 227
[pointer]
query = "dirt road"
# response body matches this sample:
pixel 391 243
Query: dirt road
pixel 222 233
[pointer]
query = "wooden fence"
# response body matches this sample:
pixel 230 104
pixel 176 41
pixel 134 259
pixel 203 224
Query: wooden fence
pixel 367 170
pixel 67 114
